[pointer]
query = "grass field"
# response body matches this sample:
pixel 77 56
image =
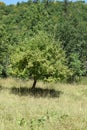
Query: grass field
pixel 49 107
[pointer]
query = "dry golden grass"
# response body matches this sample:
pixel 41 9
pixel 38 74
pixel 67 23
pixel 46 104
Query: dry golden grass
pixel 18 111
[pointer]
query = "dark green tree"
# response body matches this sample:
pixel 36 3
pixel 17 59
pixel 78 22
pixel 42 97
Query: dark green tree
pixel 3 51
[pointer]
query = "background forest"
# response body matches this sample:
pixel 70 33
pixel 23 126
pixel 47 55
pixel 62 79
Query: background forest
pixel 44 40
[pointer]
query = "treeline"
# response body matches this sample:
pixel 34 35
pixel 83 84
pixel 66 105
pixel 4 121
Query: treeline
pixel 44 40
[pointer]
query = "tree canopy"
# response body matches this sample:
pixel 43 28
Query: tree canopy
pixel 40 58
pixel 34 31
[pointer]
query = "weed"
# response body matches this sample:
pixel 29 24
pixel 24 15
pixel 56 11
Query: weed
pixel 21 122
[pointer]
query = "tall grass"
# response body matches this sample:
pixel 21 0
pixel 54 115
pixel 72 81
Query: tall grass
pixel 67 111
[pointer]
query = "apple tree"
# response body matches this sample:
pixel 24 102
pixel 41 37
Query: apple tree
pixel 40 58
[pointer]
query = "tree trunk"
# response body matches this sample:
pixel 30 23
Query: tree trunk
pixel 34 84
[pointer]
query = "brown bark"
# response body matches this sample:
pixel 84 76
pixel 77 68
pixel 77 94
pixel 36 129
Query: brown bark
pixel 34 84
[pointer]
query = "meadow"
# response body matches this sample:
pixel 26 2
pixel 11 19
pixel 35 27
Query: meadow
pixel 49 107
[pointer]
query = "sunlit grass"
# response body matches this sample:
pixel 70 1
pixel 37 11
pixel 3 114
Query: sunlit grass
pixel 27 112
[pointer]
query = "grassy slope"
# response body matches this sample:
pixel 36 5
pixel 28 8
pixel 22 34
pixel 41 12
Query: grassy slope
pixel 20 111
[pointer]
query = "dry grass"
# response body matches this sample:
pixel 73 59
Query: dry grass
pixel 67 111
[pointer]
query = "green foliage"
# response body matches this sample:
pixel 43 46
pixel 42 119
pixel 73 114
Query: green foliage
pixel 76 67
pixel 21 122
pixel 73 36
pixel 36 123
pixel 40 58
pixel 3 51
pixel 64 22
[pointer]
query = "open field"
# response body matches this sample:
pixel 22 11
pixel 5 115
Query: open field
pixel 50 107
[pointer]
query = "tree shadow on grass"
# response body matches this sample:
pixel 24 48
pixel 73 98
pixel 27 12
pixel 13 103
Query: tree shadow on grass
pixel 37 92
